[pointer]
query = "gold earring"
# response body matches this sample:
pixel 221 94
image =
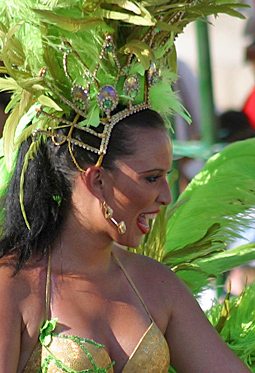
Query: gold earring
pixel 108 212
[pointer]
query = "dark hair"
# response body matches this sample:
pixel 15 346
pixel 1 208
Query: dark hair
pixel 48 186
pixel 234 126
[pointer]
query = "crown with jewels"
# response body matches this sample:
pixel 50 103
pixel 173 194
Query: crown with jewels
pixel 125 88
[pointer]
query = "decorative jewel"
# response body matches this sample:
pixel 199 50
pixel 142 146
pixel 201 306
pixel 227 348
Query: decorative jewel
pixel 131 87
pixel 154 75
pixel 107 98
pixel 80 95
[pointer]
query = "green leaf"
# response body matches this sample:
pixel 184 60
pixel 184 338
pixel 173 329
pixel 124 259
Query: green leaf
pixel 9 84
pixel 136 20
pixel 3 70
pixel 13 102
pixel 167 27
pixel 68 23
pixel 93 116
pixel 46 101
pixel 128 5
pixel 8 135
pixel 172 60
pixel 142 51
pixel 46 331
pixel 29 155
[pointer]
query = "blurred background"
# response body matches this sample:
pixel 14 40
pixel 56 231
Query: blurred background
pixel 233 76
pixel 216 67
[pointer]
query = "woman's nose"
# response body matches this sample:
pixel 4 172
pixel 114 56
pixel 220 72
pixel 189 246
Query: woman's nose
pixel 164 196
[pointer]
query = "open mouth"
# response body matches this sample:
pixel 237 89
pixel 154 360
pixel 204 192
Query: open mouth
pixel 143 221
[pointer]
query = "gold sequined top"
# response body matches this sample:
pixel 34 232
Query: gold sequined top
pixel 63 353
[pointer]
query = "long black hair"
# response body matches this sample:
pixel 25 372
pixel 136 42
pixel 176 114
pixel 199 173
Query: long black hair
pixel 48 186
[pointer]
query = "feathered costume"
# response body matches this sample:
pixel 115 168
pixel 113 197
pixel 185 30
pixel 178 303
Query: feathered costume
pixel 58 57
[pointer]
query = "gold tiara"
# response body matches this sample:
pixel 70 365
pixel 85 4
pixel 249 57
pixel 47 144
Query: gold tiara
pixel 125 89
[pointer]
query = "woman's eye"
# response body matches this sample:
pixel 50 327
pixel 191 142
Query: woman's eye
pixel 152 179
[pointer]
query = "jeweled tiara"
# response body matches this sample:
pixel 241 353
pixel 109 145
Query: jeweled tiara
pixel 125 89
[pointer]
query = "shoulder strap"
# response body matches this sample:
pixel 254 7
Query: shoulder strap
pixel 132 284
pixel 47 289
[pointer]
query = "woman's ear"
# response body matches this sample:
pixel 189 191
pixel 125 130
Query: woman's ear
pixel 95 180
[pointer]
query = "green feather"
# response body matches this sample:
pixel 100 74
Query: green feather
pixel 222 189
pixel 235 321
pixel 28 157
pixel 9 134
pixel 215 207
pixel 69 23
pixel 143 52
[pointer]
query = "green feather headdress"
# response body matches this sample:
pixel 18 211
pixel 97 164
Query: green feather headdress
pixel 88 57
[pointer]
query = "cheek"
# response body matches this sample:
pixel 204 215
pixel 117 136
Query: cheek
pixel 133 200
pixel 126 201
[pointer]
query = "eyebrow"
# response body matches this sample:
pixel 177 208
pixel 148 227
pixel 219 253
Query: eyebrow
pixel 155 170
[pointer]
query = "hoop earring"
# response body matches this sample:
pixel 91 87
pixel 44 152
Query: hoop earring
pixel 108 212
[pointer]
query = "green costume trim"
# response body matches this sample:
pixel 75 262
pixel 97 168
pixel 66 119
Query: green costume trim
pixel 46 334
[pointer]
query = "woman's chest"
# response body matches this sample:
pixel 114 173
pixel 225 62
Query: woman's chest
pixel 116 324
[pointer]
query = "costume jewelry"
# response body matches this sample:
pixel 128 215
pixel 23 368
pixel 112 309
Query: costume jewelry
pixel 108 212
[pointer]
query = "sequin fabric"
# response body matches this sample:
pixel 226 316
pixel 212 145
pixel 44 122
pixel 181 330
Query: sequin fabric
pixel 71 354
pixel 151 354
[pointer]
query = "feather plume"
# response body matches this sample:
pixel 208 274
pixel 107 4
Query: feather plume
pixel 235 321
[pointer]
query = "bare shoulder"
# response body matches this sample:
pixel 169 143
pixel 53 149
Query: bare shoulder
pixel 10 285
pixel 17 291
pixel 149 270
pixel 159 286
pixel 21 311
pixel 18 286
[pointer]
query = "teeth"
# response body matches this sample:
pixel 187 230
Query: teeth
pixel 151 216
pixel 144 225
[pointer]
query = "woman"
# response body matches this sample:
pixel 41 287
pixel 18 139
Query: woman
pixel 92 286
pixel 92 170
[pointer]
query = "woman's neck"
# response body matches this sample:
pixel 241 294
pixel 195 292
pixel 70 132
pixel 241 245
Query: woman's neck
pixel 79 248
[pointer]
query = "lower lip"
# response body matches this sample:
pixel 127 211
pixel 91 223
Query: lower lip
pixel 144 229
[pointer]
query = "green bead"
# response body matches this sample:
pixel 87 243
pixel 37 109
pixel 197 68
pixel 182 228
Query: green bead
pixel 108 48
pixel 108 104
pixel 155 79
pixel 133 93
pixel 79 104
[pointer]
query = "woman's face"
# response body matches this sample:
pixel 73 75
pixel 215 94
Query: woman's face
pixel 139 185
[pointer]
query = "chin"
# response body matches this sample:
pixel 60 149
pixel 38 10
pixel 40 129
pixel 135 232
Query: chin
pixel 132 242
